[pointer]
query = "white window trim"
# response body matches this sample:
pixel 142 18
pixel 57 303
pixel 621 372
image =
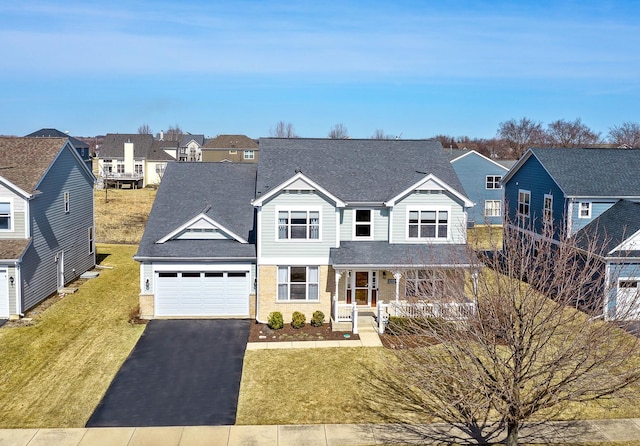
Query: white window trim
pixel 590 206
pixel 289 209
pixel 431 276
pixel 499 208
pixel 544 207
pixel 428 208
pixel 486 182
pixel 370 236
pixel 92 240
pixel 12 214
pixel 288 283
pixel 67 202
pixel 249 154
pixel 528 193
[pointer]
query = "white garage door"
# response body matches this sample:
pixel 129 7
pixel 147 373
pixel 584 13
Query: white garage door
pixel 4 294
pixel 208 293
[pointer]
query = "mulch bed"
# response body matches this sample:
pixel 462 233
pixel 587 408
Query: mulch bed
pixel 262 333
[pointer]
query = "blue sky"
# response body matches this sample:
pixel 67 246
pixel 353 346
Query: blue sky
pixel 411 68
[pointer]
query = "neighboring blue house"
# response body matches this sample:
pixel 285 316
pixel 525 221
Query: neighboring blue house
pixel 584 193
pixel 46 220
pixel 481 179
pixel 81 146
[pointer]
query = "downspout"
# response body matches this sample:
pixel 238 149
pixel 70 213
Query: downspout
pixel 258 254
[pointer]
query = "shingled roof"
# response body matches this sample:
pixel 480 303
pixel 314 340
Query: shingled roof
pixel 612 227
pixel 222 191
pixel 23 161
pixel 113 145
pixel 55 133
pixel 354 170
pixel 13 249
pixel 231 142
pixel 593 172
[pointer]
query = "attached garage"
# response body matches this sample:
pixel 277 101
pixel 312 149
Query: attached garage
pixel 202 293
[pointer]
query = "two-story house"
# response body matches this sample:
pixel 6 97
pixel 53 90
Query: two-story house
pixel 191 148
pixel 46 220
pixel 230 148
pixel 81 146
pixel 588 194
pixel 481 178
pixel 317 221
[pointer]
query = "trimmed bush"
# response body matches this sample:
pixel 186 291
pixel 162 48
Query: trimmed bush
pixel 317 319
pixel 275 321
pixel 298 319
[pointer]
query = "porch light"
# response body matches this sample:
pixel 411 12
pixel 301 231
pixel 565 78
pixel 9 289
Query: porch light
pixel 384 274
pixel 11 279
pixel 146 285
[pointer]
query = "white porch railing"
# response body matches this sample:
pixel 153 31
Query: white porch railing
pixel 451 311
pixel 342 312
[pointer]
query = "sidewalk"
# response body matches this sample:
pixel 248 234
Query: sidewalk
pixel 313 434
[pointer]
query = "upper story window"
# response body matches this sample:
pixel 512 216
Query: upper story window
pixel 428 224
pixel 493 181
pixel 249 154
pixel 138 168
pixel 120 168
pixel 584 209
pixel 67 204
pixel 298 283
pixel 363 223
pixel 299 225
pixel 5 215
pixel 547 210
pixel 524 203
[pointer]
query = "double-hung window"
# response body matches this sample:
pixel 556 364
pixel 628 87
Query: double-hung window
pixel 584 209
pixel 492 208
pixel 298 225
pixel 5 215
pixel 524 203
pixel 493 182
pixel 67 203
pixel 547 211
pixel 298 283
pixel 249 154
pixel 426 284
pixel 120 168
pixel 428 224
pixel 363 223
pixel 92 241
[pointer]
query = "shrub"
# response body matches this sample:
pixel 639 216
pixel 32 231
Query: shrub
pixel 317 319
pixel 134 315
pixel 298 319
pixel 275 321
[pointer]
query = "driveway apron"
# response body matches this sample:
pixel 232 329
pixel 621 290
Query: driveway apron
pixel 180 373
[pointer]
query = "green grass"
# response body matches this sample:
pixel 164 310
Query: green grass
pixel 55 371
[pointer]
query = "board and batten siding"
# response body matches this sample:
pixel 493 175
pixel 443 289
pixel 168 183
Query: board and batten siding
pixel 54 230
pixel 426 200
pixel 272 247
pixel 18 214
pixel 380 218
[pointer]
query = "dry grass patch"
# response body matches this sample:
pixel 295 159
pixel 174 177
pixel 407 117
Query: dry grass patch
pixel 308 386
pixel 485 237
pixel 55 371
pixel 123 216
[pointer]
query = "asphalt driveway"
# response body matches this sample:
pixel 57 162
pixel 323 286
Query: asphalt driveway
pixel 180 373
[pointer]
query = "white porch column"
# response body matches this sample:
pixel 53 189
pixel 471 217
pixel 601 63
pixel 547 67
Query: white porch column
pixel 337 279
pixel 397 275
pixel 354 317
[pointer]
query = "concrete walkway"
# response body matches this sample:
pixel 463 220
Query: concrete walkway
pixel 577 432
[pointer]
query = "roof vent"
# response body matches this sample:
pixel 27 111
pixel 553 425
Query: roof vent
pixel 298 170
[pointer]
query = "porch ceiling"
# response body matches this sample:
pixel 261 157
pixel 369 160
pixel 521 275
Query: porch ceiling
pixel 384 255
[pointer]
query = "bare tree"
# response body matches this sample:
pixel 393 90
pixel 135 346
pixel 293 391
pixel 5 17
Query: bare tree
pixel 144 129
pixel 174 133
pixel 380 134
pixel 283 130
pixel 628 134
pixel 563 133
pixel 338 131
pixel 525 351
pixel 521 135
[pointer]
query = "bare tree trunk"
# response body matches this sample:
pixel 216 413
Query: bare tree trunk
pixel 512 434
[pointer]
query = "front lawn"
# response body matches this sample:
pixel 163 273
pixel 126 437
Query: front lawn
pixel 55 371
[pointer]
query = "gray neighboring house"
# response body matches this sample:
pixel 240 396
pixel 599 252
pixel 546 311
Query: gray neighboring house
pixel 46 220
pixel 191 147
pixel 81 146
pixel 197 255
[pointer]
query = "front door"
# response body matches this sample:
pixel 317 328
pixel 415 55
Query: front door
pixel 362 287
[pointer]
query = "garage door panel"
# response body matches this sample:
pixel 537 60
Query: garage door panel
pixel 4 294
pixel 207 293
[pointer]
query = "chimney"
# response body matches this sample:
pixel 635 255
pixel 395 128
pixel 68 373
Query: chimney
pixel 128 157
pixel 161 135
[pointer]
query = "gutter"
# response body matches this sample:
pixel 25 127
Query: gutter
pixel 192 259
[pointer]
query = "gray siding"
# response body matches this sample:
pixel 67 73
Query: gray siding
pixel 271 247
pixel 54 230
pixel 426 199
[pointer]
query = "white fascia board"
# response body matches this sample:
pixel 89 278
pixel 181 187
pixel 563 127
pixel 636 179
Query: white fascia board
pixel 299 176
pixel 621 246
pixel 193 220
pixel 74 153
pixel 430 177
pixel 9 185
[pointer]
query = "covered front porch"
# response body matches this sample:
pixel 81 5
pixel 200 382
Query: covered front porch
pixel 403 279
